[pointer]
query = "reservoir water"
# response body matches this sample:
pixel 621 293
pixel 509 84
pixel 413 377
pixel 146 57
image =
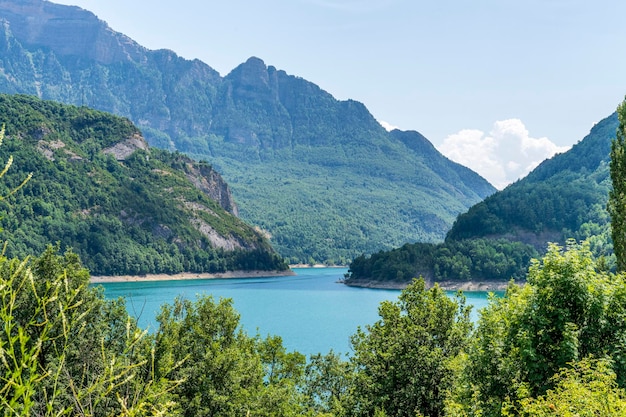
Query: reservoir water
pixel 311 311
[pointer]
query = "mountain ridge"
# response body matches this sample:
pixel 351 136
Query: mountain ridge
pixel 270 134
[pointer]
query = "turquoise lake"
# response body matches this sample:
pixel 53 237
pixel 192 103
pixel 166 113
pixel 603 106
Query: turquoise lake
pixel 311 311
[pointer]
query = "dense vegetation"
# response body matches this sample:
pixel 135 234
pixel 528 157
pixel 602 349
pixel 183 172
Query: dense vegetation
pixel 558 337
pixel 454 260
pixel 142 214
pixel 564 197
pixel 617 196
pixel 68 351
pixel 557 198
pixel 552 347
pixel 320 175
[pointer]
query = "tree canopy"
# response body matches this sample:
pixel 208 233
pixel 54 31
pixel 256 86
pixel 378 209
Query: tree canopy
pixel 617 195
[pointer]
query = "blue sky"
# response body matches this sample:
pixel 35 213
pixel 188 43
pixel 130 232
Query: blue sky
pixel 495 84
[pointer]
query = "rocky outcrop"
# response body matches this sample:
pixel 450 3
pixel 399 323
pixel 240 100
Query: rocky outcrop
pixel 212 184
pixel 126 148
pixel 217 240
pixel 67 54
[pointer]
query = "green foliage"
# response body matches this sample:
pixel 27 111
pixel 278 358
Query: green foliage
pixel 586 389
pixel 313 205
pixel 554 200
pixel 404 361
pixel 565 197
pixel 471 259
pixel 224 371
pixel 569 310
pixel 327 383
pixel 135 216
pixel 617 196
pixel 64 350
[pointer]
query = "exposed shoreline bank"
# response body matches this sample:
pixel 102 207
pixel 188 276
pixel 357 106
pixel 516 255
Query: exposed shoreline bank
pixel 305 266
pixel 446 285
pixel 189 276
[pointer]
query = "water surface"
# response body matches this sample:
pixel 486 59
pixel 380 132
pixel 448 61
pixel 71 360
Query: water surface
pixel 311 311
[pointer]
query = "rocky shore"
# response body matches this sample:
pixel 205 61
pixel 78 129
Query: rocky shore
pixel 189 275
pixel 446 285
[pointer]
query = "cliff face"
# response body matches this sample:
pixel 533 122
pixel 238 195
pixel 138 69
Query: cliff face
pixel 68 30
pixel 67 54
pixel 210 182
pixel 201 175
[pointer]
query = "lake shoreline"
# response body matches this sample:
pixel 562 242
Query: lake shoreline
pixel 465 286
pixel 307 266
pixel 102 279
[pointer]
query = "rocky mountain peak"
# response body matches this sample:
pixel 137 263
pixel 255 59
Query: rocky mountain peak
pixel 67 31
pixel 253 77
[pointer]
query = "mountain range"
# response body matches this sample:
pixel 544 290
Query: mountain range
pixel 320 176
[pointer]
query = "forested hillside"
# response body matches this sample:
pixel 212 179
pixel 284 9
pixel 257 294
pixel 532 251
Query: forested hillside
pixel 320 175
pixel 564 197
pixel 125 208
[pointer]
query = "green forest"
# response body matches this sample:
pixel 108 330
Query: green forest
pixel 461 260
pixel 134 216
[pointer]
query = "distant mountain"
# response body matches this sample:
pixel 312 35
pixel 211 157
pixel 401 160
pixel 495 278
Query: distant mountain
pixel 564 197
pixel 321 176
pixel 122 207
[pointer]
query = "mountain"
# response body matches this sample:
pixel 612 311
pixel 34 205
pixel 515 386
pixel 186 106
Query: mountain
pixel 559 198
pixel 564 197
pixel 320 175
pixel 123 207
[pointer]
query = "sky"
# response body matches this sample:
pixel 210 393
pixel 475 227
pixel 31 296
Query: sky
pixel 497 85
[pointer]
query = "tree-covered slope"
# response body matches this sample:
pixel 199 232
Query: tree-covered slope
pixel 123 207
pixel 556 200
pixel 564 197
pixel 320 175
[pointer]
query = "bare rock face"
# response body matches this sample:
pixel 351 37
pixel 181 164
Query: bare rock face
pixel 126 148
pixel 202 175
pixel 68 31
pixel 211 183
pixel 227 243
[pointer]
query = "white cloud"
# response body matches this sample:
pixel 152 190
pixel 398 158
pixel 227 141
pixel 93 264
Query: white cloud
pixel 504 155
pixel 388 127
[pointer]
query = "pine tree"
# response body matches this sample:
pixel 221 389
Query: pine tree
pixel 617 196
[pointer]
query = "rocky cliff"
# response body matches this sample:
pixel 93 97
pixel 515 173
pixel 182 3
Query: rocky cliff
pixel 67 31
